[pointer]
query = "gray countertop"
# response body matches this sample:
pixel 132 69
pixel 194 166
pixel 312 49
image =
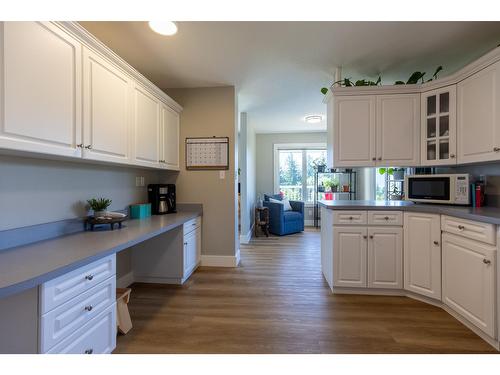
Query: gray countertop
pixel 489 215
pixel 27 266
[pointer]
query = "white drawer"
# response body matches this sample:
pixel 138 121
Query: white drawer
pixel 192 224
pixel 55 292
pixel 59 323
pixel 385 218
pixel 349 217
pixel 98 336
pixel 470 229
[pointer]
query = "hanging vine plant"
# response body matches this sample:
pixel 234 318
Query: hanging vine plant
pixel 414 79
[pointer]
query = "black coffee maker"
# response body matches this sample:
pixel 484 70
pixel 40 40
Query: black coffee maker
pixel 162 198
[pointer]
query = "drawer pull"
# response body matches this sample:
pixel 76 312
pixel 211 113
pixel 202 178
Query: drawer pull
pixel 89 351
pixel 371 237
pixel 486 261
pixel 365 237
pixel 496 149
pixel 89 277
pixel 386 218
pixel 351 218
pixel 461 227
pixel 88 308
pixel 185 243
pixel 436 243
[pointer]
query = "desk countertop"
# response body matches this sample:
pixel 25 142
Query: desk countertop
pixel 24 267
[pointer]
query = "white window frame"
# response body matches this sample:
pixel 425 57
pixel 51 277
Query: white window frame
pixel 293 146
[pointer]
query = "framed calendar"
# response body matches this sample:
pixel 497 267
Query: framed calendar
pixel 210 153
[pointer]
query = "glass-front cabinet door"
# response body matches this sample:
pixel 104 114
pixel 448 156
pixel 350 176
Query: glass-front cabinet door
pixel 439 126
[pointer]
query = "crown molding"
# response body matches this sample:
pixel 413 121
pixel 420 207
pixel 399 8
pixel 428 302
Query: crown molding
pixel 91 42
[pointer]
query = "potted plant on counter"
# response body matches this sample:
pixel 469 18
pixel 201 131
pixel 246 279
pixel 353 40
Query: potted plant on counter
pixel 99 206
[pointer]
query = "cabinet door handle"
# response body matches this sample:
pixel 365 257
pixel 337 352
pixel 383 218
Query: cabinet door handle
pixel 380 158
pixel 371 237
pixel 89 277
pixel 486 261
pixel 496 149
pixel 461 227
pixel 436 243
pixel 386 217
pixel 374 158
pixel 79 145
pixel 88 147
pixel 365 237
pixel 351 218
pixel 89 351
pixel 452 156
pixel 88 308
pixel 185 243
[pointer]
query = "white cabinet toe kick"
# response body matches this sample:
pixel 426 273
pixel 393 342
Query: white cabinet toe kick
pixel 445 261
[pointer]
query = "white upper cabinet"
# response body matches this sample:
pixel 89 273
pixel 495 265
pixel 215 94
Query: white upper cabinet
pixel 106 110
pixel 398 130
pixel 439 126
pixel 478 103
pixel 422 254
pixel 376 130
pixel 354 131
pixel 146 127
pixel 169 138
pixel 469 280
pixel 40 78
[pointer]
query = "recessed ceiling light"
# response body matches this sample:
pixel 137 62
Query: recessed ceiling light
pixel 313 119
pixel 163 27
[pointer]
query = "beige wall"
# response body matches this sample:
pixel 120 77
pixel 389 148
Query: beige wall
pixel 210 112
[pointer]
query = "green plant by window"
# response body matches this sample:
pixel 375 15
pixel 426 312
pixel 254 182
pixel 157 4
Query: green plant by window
pixel 99 204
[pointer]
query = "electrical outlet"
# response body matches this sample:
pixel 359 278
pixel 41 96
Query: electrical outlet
pixel 139 181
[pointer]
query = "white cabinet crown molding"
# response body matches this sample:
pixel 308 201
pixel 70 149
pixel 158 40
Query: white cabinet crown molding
pixel 90 41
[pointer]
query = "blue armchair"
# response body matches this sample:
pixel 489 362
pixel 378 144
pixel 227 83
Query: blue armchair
pixel 283 222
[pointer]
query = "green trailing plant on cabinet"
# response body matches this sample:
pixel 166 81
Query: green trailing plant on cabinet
pixel 412 80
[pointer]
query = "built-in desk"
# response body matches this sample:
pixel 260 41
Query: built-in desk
pixel 173 245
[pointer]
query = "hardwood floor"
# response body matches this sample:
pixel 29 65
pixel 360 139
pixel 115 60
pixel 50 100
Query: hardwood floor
pixel 278 302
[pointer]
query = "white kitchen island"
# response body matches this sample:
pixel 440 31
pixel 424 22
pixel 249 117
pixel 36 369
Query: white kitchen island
pixel 442 255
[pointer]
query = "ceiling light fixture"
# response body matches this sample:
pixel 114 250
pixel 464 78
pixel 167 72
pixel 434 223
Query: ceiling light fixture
pixel 163 27
pixel 313 119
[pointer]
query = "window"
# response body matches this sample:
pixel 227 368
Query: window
pixel 294 169
pixel 389 183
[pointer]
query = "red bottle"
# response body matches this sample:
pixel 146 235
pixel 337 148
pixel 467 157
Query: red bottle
pixel 479 195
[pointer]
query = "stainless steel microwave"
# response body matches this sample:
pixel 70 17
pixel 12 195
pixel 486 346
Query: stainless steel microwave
pixel 438 188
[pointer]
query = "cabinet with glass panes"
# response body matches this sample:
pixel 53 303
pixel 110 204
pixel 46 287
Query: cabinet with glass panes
pixel 439 127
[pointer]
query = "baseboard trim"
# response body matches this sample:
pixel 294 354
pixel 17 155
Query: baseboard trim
pixel 245 238
pixel 221 260
pixel 125 280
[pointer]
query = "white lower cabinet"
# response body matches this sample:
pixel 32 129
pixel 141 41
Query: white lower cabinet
pixel 469 280
pixel 192 246
pixel 422 254
pixel 86 321
pixel 368 256
pixel 385 258
pixel 98 336
pixel 349 256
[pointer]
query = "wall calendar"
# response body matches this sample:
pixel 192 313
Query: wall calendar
pixel 207 153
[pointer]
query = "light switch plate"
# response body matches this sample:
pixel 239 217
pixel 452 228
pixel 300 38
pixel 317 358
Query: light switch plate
pixel 222 175
pixel 139 181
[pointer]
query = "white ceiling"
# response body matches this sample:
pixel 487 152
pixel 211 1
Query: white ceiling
pixel 278 68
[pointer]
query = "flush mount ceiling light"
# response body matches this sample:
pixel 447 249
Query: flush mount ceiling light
pixel 163 27
pixel 313 119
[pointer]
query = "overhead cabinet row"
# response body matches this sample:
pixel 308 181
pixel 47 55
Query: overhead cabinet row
pixel 452 123
pixel 61 97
